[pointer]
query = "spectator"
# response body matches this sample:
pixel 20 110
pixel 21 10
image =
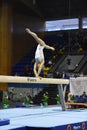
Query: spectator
pixel 11 94
pixel 84 97
pixel 28 99
pixel 66 95
pixel 45 99
pixel 70 97
pixel 57 75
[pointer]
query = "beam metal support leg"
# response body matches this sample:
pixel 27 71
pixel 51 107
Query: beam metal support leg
pixel 60 88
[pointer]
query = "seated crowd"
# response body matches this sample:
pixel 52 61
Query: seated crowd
pixel 77 98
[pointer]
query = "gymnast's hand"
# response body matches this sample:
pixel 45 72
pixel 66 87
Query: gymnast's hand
pixel 52 48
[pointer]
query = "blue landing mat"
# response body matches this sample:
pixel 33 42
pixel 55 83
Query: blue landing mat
pixel 4 122
pixel 47 118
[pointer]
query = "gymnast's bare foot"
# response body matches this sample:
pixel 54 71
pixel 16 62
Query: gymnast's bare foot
pixel 37 76
pixel 27 30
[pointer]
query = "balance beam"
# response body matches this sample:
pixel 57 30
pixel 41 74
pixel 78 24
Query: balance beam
pixel 33 80
pixel 21 79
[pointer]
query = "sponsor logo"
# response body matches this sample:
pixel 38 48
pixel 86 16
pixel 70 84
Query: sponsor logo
pixel 76 127
pixel 31 80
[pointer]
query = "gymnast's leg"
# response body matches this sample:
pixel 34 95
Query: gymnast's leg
pixel 35 69
pixel 40 67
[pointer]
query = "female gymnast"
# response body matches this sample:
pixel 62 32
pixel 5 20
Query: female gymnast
pixel 39 55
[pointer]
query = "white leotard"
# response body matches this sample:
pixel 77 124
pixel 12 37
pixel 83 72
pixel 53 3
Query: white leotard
pixel 39 52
